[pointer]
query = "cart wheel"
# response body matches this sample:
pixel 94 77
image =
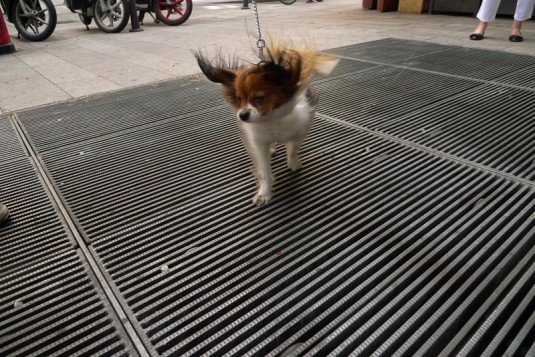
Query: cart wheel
pixel 173 12
pixel 34 20
pixel 112 15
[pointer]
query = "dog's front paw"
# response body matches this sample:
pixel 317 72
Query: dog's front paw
pixel 273 149
pixel 295 164
pixel 261 198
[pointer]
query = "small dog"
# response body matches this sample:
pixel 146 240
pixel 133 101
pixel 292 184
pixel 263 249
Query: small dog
pixel 273 101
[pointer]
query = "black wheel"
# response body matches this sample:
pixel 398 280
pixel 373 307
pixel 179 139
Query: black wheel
pixel 287 2
pixel 35 20
pixel 111 15
pixel 173 12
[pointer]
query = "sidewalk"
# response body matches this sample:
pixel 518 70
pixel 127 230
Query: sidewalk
pixel 75 63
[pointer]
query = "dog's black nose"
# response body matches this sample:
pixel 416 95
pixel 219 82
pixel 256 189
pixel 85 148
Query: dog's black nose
pixel 244 116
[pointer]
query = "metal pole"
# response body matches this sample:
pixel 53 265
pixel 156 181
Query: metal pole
pixel 134 20
pixel 245 5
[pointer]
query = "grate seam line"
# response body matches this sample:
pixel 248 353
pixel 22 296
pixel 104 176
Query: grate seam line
pixel 434 152
pixel 84 251
pixel 456 76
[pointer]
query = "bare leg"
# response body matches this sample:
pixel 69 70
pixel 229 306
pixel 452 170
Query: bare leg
pixel 516 27
pixel 481 27
pixel 523 11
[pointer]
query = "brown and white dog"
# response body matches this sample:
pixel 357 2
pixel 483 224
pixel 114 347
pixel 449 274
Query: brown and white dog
pixel 273 102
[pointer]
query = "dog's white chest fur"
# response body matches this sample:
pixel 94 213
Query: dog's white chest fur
pixel 289 123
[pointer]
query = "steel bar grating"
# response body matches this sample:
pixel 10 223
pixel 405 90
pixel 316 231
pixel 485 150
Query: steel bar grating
pixel 384 244
pixel 201 274
pixel 478 121
pixel 389 50
pixel 524 77
pixel 345 66
pixel 374 97
pixel 49 304
pixel 484 125
pixel 70 122
pixel 10 145
pixel 471 62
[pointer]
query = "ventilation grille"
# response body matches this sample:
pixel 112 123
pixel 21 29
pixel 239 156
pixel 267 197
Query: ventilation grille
pixel 389 50
pixel 484 125
pixel 471 62
pixel 10 145
pixel 49 304
pixel 382 94
pixel 387 242
pixel 71 122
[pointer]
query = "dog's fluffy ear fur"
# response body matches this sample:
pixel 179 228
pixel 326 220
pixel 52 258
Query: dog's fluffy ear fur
pixel 223 72
pixel 283 71
pixel 312 62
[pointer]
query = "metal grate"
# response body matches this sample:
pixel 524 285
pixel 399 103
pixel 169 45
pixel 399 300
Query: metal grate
pixel 203 271
pixel 524 77
pixel 345 66
pixel 52 308
pixel 71 122
pixel 49 303
pixel 34 231
pixel 382 94
pixel 484 125
pixel 10 145
pixel 382 244
pixel 389 50
pixel 471 62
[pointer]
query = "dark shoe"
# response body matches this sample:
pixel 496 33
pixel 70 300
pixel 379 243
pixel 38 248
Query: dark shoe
pixel 476 36
pixel 516 38
pixel 4 212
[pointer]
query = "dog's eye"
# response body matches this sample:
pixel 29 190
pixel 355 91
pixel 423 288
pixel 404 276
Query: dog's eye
pixel 238 99
pixel 258 100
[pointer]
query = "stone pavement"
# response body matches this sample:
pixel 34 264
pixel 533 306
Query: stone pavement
pixel 75 63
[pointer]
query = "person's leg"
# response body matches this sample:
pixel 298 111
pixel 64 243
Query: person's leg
pixel 487 13
pixel 4 212
pixel 524 10
pixel 516 28
pixel 488 10
pixel 480 29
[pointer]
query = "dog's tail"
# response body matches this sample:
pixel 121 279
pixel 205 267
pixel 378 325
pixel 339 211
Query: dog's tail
pixel 319 63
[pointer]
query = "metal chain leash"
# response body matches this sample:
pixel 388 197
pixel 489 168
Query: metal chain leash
pixel 260 43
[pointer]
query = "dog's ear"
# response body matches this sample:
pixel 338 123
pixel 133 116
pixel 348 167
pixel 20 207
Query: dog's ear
pixel 217 74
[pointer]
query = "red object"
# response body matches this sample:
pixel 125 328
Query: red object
pixel 387 5
pixel 369 4
pixel 6 46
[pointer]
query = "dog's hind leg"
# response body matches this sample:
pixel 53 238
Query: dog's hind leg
pixel 262 158
pixel 292 155
pixel 273 148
